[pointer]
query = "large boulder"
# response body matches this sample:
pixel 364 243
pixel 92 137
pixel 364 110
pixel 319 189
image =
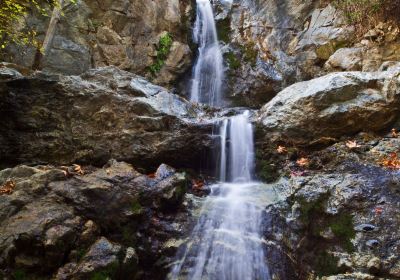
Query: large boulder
pixel 52 217
pixel 332 106
pixel 102 114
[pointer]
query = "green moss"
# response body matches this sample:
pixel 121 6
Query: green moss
pixel 342 227
pixel 224 30
pixel 250 53
pixel 233 61
pixel 310 209
pixel 326 264
pixel 267 171
pixel 81 253
pixel 107 273
pixel 324 52
pixel 129 236
pixel 19 274
pixel 136 207
pixel 163 50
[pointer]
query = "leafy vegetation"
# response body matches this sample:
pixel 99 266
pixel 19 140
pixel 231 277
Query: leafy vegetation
pixel 163 50
pixel 367 13
pixel 12 13
pixel 233 61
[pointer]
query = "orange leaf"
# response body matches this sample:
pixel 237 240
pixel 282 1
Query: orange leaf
pixel 303 162
pixel 281 150
pixel 352 144
pixel 152 175
pixel 8 187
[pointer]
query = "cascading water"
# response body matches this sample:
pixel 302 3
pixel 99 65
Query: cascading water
pixel 226 243
pixel 208 71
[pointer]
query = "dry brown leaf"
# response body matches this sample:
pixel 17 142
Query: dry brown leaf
pixel 8 187
pixel 391 162
pixel 78 169
pixel 352 144
pixel 197 184
pixel 281 150
pixel 303 162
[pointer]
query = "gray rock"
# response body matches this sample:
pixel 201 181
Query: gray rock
pixel 332 106
pixel 105 113
pixel 345 59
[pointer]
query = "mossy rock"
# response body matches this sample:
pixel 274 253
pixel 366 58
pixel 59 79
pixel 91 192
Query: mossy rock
pixel 224 30
pixel 324 52
pixel 233 61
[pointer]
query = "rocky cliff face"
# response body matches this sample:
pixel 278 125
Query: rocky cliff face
pixel 329 95
pixel 118 33
pixel 105 113
pixel 272 44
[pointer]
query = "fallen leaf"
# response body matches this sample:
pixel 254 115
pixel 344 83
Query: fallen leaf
pixel 152 175
pixel 197 184
pixel 378 210
pixel 352 144
pixel 391 162
pixel 8 187
pixel 303 162
pixel 281 150
pixel 78 169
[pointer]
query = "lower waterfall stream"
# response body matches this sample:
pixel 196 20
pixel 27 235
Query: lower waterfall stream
pixel 227 243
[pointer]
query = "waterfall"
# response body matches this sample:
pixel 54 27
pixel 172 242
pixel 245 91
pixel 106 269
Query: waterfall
pixel 227 243
pixel 237 165
pixel 208 70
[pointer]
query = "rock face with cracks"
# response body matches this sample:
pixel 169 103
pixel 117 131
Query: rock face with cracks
pixel 102 114
pixel 334 105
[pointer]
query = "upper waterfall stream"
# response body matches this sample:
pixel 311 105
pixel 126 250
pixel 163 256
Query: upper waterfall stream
pixel 208 71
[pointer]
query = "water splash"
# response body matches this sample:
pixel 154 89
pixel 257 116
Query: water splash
pixel 208 72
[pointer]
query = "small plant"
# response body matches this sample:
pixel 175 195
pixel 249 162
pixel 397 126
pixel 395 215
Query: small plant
pixel 163 50
pixel 233 61
pixel 367 13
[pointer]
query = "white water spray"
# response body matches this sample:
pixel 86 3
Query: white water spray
pixel 208 71
pixel 227 242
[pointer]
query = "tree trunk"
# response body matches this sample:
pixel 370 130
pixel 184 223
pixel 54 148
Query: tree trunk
pixel 48 39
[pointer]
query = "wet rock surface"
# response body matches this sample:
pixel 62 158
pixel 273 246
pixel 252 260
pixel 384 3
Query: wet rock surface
pixel 338 218
pixel 102 114
pixel 109 222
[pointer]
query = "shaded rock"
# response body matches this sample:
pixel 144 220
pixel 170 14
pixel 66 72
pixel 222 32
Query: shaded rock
pixel 54 230
pixel 101 259
pixel 332 106
pixel 105 113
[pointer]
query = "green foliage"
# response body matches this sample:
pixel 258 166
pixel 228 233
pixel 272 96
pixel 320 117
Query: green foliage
pixel 106 273
pixel 136 207
pixel 233 61
pixel 224 29
pixel 368 12
pixel 12 13
pixel 163 50
pixel 19 274
pixel 250 53
pixel 326 264
pixel 343 228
